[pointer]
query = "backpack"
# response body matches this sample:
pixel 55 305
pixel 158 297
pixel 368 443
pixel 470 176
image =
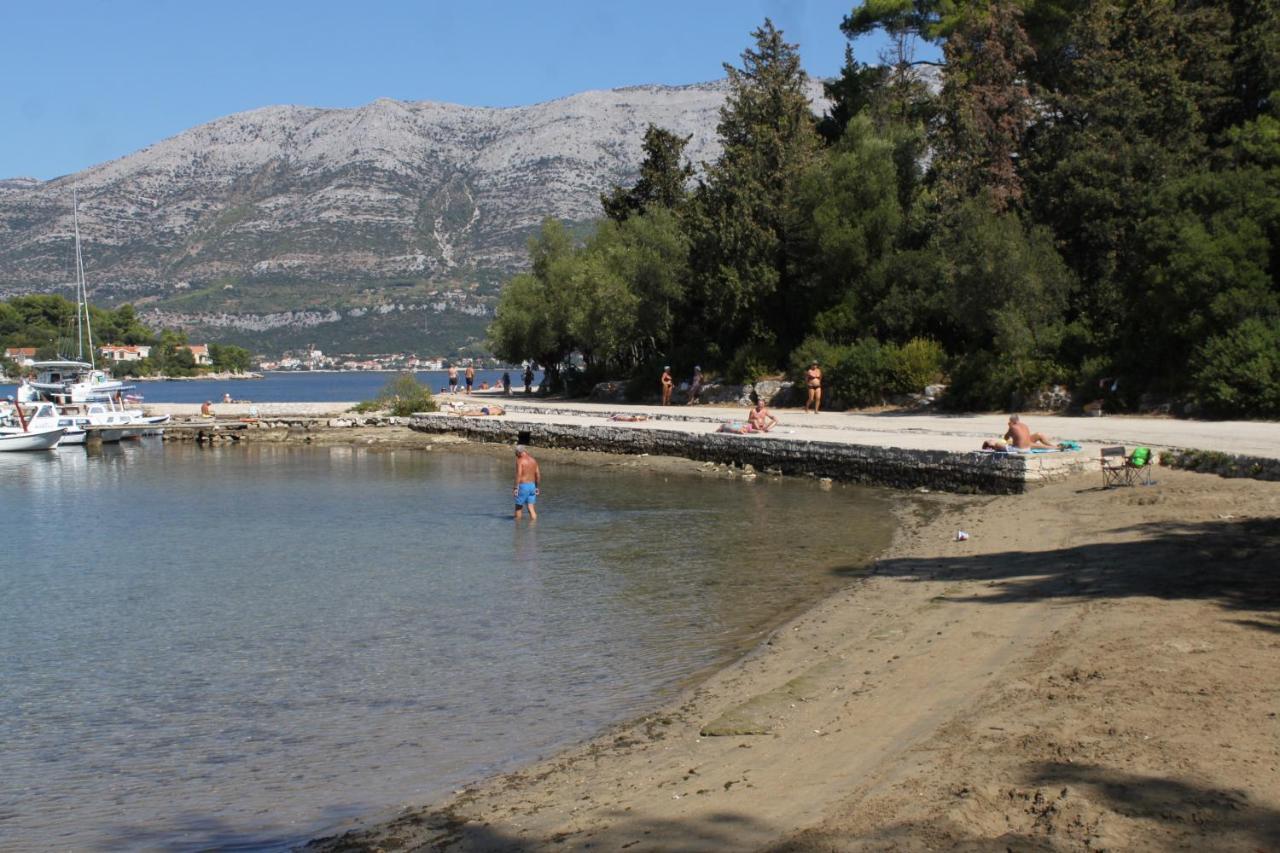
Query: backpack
pixel 1141 457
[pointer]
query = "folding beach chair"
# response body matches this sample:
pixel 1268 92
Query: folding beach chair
pixel 1127 469
pixel 1115 468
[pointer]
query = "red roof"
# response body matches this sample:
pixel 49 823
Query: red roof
pixel 11 352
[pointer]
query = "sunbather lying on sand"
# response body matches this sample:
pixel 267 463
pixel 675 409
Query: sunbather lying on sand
pixel 480 411
pixel 737 427
pixel 628 418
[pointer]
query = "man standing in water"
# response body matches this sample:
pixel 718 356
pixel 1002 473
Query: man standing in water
pixel 528 483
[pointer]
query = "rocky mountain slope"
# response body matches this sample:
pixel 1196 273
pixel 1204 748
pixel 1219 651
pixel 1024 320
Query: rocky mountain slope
pixel 389 226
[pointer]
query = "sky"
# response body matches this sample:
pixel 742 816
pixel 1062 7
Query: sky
pixel 86 81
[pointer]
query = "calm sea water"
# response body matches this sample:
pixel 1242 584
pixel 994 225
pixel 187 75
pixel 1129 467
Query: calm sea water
pixel 239 647
pixel 299 387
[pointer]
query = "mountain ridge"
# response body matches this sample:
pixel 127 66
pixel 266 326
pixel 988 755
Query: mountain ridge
pixel 286 208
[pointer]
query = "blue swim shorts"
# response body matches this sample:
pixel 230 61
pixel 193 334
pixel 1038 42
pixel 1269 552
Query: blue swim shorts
pixel 526 494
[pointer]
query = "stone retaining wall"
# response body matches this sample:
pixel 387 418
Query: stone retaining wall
pixel 1222 464
pixel 886 466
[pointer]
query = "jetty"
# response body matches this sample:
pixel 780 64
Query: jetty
pixel 931 450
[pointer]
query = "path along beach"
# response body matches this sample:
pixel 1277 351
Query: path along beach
pixel 1091 669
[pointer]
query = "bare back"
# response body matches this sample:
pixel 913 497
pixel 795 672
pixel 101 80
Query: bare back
pixel 527 470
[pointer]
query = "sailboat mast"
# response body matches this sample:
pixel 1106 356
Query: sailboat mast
pixel 82 291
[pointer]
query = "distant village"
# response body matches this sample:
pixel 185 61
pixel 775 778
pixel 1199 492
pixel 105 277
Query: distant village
pixel 314 359
pixel 307 359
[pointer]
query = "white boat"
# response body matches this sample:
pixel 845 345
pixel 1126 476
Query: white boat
pixel 39 417
pixel 67 382
pixel 105 419
pixel 45 439
pixel 73 380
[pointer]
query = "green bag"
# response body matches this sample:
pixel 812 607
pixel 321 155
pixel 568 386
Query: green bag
pixel 1141 457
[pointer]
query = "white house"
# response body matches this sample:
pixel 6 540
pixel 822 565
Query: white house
pixel 200 352
pixel 125 353
pixel 21 356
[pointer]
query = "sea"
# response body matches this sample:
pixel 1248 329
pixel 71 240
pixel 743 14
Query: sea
pixel 244 647
pixel 299 386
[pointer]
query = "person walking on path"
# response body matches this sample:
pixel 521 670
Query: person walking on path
pixel 528 483
pixel 695 386
pixel 813 379
pixel 668 385
pixel 471 377
pixel 528 379
pixel 453 379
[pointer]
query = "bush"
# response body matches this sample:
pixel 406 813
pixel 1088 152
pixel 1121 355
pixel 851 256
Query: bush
pixel 750 362
pixel 914 365
pixel 1238 373
pixel 984 381
pixel 857 374
pixel 862 374
pixel 402 396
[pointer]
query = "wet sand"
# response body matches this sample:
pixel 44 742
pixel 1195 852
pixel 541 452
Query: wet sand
pixel 1090 670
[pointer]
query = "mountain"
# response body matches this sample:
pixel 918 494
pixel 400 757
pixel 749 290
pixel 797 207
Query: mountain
pixel 385 227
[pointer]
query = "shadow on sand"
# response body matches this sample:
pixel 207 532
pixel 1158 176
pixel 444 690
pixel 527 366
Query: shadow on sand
pixel 1232 563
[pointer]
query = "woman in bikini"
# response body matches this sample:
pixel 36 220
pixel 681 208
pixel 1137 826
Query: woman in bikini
pixel 813 378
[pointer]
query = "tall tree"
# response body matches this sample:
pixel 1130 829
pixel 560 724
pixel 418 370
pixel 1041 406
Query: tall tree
pixel 986 106
pixel 664 177
pixel 742 216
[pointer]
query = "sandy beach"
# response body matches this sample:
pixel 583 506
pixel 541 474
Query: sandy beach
pixel 1091 669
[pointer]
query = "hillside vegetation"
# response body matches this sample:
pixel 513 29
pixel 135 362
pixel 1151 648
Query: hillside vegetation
pixel 1091 198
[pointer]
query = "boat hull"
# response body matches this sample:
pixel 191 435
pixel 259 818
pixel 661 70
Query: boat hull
pixel 37 440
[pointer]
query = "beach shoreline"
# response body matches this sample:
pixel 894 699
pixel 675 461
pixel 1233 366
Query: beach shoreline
pixel 1053 682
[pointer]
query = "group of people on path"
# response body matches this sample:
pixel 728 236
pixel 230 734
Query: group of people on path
pixel 469 376
pixel 812 378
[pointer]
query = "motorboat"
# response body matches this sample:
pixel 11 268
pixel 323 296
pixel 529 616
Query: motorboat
pixel 40 416
pixel 69 381
pixel 45 439
pixel 107 420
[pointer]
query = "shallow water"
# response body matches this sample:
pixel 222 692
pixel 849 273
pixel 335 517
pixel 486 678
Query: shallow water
pixel 240 647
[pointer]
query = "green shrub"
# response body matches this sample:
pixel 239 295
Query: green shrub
pixel 402 396
pixel 983 381
pixel 1238 373
pixel 914 365
pixel 750 362
pixel 862 374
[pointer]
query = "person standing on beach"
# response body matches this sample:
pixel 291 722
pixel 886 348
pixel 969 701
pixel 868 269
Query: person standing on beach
pixel 506 382
pixel 528 483
pixel 528 379
pixel 695 386
pixel 813 378
pixel 453 379
pixel 668 384
pixel 471 377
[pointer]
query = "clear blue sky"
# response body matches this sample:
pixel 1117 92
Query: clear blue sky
pixel 85 82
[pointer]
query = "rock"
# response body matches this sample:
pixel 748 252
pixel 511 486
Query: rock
pixel 612 391
pixel 933 392
pixel 718 393
pixel 773 392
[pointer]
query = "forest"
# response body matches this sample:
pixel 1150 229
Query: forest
pixel 1083 193
pixel 47 324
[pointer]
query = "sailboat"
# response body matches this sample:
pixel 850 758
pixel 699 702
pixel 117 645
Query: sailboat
pixel 67 381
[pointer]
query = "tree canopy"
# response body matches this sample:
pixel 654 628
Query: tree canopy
pixel 1089 197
